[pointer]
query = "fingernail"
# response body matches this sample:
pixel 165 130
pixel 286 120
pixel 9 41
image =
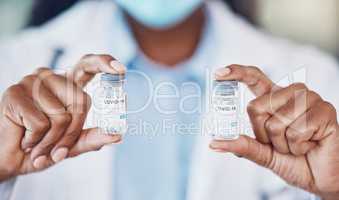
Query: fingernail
pixel 119 67
pixel 115 139
pixel 215 145
pixel 40 162
pixel 223 71
pixel 60 154
pixel 211 146
pixel 219 150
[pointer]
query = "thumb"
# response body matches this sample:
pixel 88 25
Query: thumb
pixel 251 76
pixel 92 64
pixel 92 140
pixel 246 147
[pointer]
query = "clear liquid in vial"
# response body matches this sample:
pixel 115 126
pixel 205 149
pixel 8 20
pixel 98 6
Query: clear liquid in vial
pixel 113 116
pixel 225 110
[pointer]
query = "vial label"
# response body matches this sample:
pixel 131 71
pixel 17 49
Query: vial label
pixel 225 110
pixel 113 116
pixel 225 105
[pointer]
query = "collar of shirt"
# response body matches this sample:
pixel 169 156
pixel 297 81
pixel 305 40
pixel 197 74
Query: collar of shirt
pixel 125 48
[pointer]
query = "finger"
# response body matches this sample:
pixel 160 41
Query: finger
pixel 59 124
pixel 309 128
pixel 276 126
pixel 299 139
pixel 90 140
pixel 263 107
pixel 253 77
pixel 58 121
pixel 92 64
pixel 258 126
pixel 246 147
pixel 22 111
pixel 77 103
pixel 72 134
pixel 73 98
pixel 93 140
pixel 41 163
pixel 10 135
pixel 47 103
pixel 271 102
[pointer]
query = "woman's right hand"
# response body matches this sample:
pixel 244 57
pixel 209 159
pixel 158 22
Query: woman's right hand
pixel 42 118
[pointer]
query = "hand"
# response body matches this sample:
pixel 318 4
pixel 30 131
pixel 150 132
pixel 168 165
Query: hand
pixel 42 118
pixel 297 134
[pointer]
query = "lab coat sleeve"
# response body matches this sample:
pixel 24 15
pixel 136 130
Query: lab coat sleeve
pixel 6 189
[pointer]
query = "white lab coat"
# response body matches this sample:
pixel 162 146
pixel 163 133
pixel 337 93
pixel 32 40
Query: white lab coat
pixel 95 27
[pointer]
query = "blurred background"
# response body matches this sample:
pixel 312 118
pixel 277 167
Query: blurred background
pixel 314 22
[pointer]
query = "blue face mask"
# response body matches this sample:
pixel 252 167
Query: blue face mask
pixel 159 14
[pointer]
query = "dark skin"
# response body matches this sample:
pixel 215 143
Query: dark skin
pixel 162 47
pixel 294 160
pixel 41 126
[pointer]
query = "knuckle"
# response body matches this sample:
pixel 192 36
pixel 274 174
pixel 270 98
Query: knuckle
pixel 295 150
pixel 41 125
pixel 298 86
pixel 292 136
pixel 274 127
pixel 313 95
pixel 45 146
pixel 13 90
pixel 254 107
pixel 72 136
pixel 41 70
pixel 98 57
pixel 106 57
pixel 329 110
pixel 44 73
pixel 29 78
pixel 310 128
pixel 233 66
pixel 62 120
pixel 255 70
pixel 11 99
pixel 248 147
pixel 328 106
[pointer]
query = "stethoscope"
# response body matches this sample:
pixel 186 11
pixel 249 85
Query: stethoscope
pixel 58 52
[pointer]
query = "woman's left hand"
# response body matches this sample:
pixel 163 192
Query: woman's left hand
pixel 297 133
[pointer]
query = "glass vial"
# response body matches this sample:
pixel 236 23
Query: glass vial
pixel 113 116
pixel 225 110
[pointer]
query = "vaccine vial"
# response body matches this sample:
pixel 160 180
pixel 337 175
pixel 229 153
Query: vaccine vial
pixel 225 110
pixel 113 112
